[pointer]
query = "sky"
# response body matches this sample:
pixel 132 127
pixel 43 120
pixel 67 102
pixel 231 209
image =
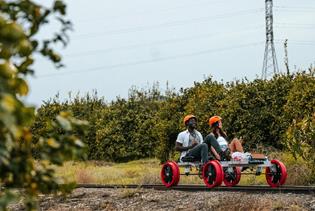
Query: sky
pixel 118 44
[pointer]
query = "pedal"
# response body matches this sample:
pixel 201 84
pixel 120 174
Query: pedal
pixel 187 170
pixel 258 171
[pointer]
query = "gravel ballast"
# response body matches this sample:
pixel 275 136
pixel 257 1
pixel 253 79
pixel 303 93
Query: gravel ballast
pixel 146 199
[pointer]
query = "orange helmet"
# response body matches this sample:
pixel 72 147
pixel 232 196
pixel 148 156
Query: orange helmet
pixel 214 119
pixel 188 117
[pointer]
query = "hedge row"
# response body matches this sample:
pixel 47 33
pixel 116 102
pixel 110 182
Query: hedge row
pixel 147 122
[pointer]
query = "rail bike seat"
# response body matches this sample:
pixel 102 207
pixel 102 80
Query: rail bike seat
pixel 255 162
pixel 189 158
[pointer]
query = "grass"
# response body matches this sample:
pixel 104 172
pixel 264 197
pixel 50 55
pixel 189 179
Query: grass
pixel 299 171
pixel 134 172
pixel 147 171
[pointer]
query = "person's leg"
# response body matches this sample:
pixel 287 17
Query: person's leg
pixel 212 143
pixel 236 146
pixel 211 140
pixel 200 152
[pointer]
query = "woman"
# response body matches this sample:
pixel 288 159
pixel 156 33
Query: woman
pixel 225 149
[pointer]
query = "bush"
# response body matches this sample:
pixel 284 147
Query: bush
pixel 146 124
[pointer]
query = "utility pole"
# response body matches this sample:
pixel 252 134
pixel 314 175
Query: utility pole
pixel 286 57
pixel 270 65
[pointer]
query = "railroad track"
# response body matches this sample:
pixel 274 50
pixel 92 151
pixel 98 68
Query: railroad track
pixel 283 189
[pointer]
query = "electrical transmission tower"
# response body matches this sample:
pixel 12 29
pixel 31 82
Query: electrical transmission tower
pixel 270 65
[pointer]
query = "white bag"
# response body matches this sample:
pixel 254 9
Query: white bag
pixel 240 156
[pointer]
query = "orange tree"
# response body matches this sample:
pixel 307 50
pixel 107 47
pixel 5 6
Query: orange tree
pixel 125 130
pixel 167 124
pixel 301 141
pixel 89 108
pixel 300 112
pixel 20 22
pixel 203 100
pixel 144 125
pixel 255 110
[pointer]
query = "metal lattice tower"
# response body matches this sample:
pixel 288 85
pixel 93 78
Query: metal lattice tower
pixel 270 65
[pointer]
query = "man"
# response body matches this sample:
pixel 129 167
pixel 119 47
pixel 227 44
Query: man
pixel 190 141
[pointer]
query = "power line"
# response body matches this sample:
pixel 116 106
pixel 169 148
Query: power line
pixel 150 60
pixel 296 24
pixel 304 41
pixel 306 44
pixel 295 27
pixel 168 24
pixel 174 40
pixel 310 9
pixel 150 11
pixel 297 42
pixel 294 11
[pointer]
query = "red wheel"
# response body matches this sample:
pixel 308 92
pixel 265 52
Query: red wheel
pixel 178 177
pixel 277 174
pixel 232 178
pixel 169 174
pixel 221 168
pixel 212 174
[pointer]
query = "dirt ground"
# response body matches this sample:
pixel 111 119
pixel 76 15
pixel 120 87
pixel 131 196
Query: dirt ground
pixel 144 199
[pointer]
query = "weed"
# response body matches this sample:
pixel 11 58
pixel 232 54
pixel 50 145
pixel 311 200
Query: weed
pixel 150 178
pixel 131 173
pixel 147 171
pixel 129 193
pixel 84 176
pixel 299 171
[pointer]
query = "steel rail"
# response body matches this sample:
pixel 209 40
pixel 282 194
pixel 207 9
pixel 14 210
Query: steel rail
pixel 193 188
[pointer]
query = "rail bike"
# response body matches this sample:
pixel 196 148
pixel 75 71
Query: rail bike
pixel 215 172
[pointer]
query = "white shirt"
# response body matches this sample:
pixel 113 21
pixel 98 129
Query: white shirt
pixel 223 143
pixel 185 138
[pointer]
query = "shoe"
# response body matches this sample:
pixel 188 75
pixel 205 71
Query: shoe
pixel 210 157
pixel 225 155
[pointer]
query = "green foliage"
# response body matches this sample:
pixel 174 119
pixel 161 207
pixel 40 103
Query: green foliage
pixel 148 122
pixel 254 110
pixel 301 140
pixel 204 101
pixel 301 97
pixel 299 170
pixel 122 130
pixel 88 108
pixel 167 122
pixel 300 118
pixel 126 129
pixel 20 22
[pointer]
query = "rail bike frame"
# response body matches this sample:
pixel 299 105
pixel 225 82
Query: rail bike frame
pixel 215 172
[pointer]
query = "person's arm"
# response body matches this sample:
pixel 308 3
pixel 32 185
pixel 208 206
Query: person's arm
pixel 179 147
pixel 214 152
pixel 179 143
pixel 200 137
